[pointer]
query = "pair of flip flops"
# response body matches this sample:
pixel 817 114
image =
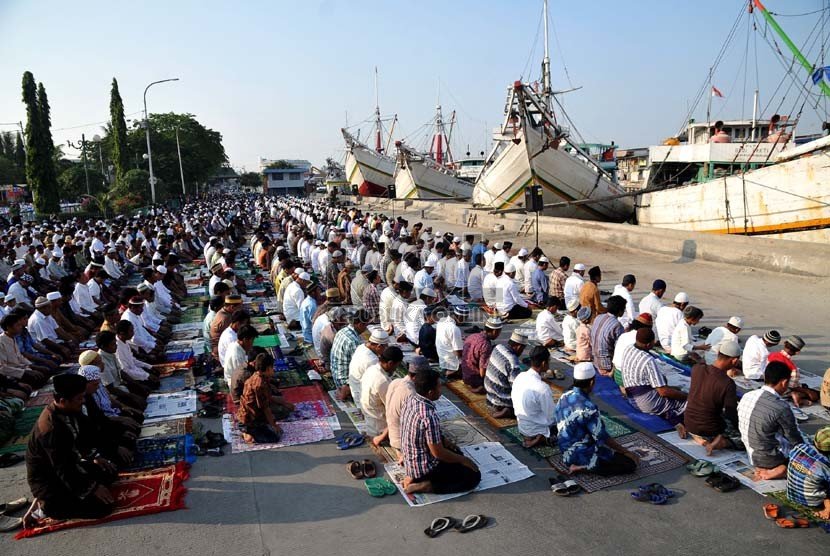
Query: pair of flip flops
pixel 563 487
pixel 380 487
pixel 469 523
pixel 653 493
pixel 722 482
pixel 350 440
pixel 362 469
pixel 701 468
pixel 773 513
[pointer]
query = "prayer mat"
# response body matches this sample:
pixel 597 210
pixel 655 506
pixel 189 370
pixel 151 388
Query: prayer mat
pixel 23 425
pixel 177 403
pixel 269 341
pixel 167 369
pixel 806 511
pixel 655 458
pixel 613 426
pixel 290 379
pixel 293 434
pixel 172 427
pixel 463 391
pixel 480 407
pixel 463 433
pixel 176 382
pixel 314 409
pixel 152 453
pixel 44 397
pixel 607 390
pixel 327 382
pixel 140 493
pixel 304 394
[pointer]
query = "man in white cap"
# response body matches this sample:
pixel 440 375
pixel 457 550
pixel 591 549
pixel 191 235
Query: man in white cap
pixel 574 283
pixel 540 282
pixel 502 369
pixel 374 388
pixel 683 347
pixel 414 315
pixel 533 401
pixel 624 289
pixel 512 304
pixel 583 440
pixel 358 285
pixel 491 286
pixel 570 325
pixel 728 333
pixel 112 266
pixel 449 342
pixel 754 359
pixel 293 299
pixel 476 354
pixel 668 317
pixel 45 330
pixel 423 278
pixel 518 261
pixel 364 357
pixel 548 329
pixel 490 256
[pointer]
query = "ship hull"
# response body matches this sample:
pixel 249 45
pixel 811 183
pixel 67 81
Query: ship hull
pixel 416 180
pixel 371 172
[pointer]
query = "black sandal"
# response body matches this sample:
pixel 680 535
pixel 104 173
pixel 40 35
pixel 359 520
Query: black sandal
pixel 472 522
pixel 7 460
pixel 439 525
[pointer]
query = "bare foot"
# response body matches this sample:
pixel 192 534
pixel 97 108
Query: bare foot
pixel 717 443
pixel 247 438
pixel 534 441
pixel 575 469
pixel 681 430
pixel 479 390
pixel 411 487
pixel 503 413
pixel 29 519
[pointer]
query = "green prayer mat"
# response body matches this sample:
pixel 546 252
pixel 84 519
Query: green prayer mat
pixel 287 379
pixel 613 426
pixel 810 513
pixel 269 341
pixel 23 425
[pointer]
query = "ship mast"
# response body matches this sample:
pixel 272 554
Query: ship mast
pixel 825 88
pixel 378 124
pixel 546 92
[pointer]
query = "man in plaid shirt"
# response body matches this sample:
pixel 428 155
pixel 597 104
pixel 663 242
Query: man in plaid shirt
pixel 344 345
pixel 371 296
pixel 558 277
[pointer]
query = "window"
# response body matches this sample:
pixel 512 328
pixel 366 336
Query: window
pixel 276 177
pixel 295 176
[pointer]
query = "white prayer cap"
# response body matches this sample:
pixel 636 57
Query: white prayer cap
pixel 337 254
pixel 681 297
pixel 579 266
pixel 367 268
pixel 90 372
pixel 730 348
pixel 143 287
pixel 18 264
pixel 41 302
pixel 53 296
pixel 40 261
pixel 518 338
pixel 379 336
pixel 584 371
pixel 57 252
pixel 544 260
pixel 494 323
pixel 523 252
pixel 431 260
pixel 304 276
pixel 112 250
pixel 456 239
pixel 429 292
pixel 225 251
pixel 509 267
pixel 737 322
pixel 9 297
pixel 497 245
pixel 572 305
pixel 161 269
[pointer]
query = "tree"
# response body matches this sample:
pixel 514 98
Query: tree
pixel 19 153
pixel 49 187
pixel 120 153
pixel 72 181
pixel 280 165
pixel 251 180
pixel 7 144
pixel 40 166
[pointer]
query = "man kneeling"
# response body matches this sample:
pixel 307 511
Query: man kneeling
pixel 430 466
pixel 66 474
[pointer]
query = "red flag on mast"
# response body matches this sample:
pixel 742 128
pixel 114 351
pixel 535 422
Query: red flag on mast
pixel 716 92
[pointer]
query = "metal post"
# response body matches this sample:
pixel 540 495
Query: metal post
pixel 147 131
pixel 537 228
pixel 179 151
pixel 83 156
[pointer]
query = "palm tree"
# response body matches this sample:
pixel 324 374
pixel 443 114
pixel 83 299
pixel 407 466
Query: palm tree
pixel 102 202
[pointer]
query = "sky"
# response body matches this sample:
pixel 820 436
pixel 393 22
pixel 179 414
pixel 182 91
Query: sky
pixel 279 79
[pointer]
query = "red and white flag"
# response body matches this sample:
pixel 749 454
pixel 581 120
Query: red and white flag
pixel 716 92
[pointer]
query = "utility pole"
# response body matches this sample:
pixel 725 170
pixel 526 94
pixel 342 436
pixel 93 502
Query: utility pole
pixel 147 130
pixel 179 151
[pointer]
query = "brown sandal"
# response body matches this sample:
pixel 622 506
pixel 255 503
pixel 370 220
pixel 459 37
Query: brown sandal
pixel 368 468
pixel 771 511
pixel 355 469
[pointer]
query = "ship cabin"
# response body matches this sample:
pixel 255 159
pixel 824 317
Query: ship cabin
pixel 602 154
pixel 710 150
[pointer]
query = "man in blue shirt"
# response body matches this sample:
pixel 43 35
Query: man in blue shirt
pixel 808 474
pixel 479 249
pixel 583 440
pixel 540 282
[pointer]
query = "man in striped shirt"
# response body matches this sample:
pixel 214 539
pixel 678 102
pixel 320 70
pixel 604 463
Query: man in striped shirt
pixel 604 333
pixel 429 465
pixel 767 424
pixel 646 387
pixel 558 277
pixel 502 369
pixel 808 474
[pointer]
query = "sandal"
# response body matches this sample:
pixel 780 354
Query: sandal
pixel 771 511
pixel 7 460
pixel 652 498
pixel 215 452
pixel 368 469
pixel 471 523
pixel 350 440
pixel 559 489
pixel 8 524
pixel 14 505
pixel 657 488
pixel 728 484
pixel 801 522
pixel 355 469
pixel 701 468
pixel 785 523
pixel 572 486
pixel 439 525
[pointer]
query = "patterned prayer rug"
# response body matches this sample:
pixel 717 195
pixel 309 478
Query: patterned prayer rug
pixel 23 425
pixel 44 397
pixel 655 457
pixel 172 427
pixel 304 394
pixel 810 513
pixel 613 426
pixel 293 434
pixel 480 407
pixel 463 391
pixel 463 433
pixel 140 493
pixel 290 379
pixel 314 409
pixel 151 453
pixel 176 382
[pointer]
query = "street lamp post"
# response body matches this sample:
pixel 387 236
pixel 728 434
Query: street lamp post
pixel 97 139
pixel 181 169
pixel 83 158
pixel 147 130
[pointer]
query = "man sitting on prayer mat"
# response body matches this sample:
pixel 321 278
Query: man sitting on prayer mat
pixel 646 387
pixel 570 325
pixel 67 476
pixel 256 420
pixel 502 369
pixel 756 351
pixel 800 393
pixel 373 389
pixel 475 354
pixel 533 401
pixel 808 474
pixel 364 357
pixel 449 342
pixel 548 330
pixel 397 393
pixel 683 347
pixel 711 416
pixel 236 355
pixel 585 444
pixel 767 424
pixel 429 465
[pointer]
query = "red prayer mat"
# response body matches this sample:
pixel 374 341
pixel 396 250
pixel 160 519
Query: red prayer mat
pixel 297 394
pixel 140 493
